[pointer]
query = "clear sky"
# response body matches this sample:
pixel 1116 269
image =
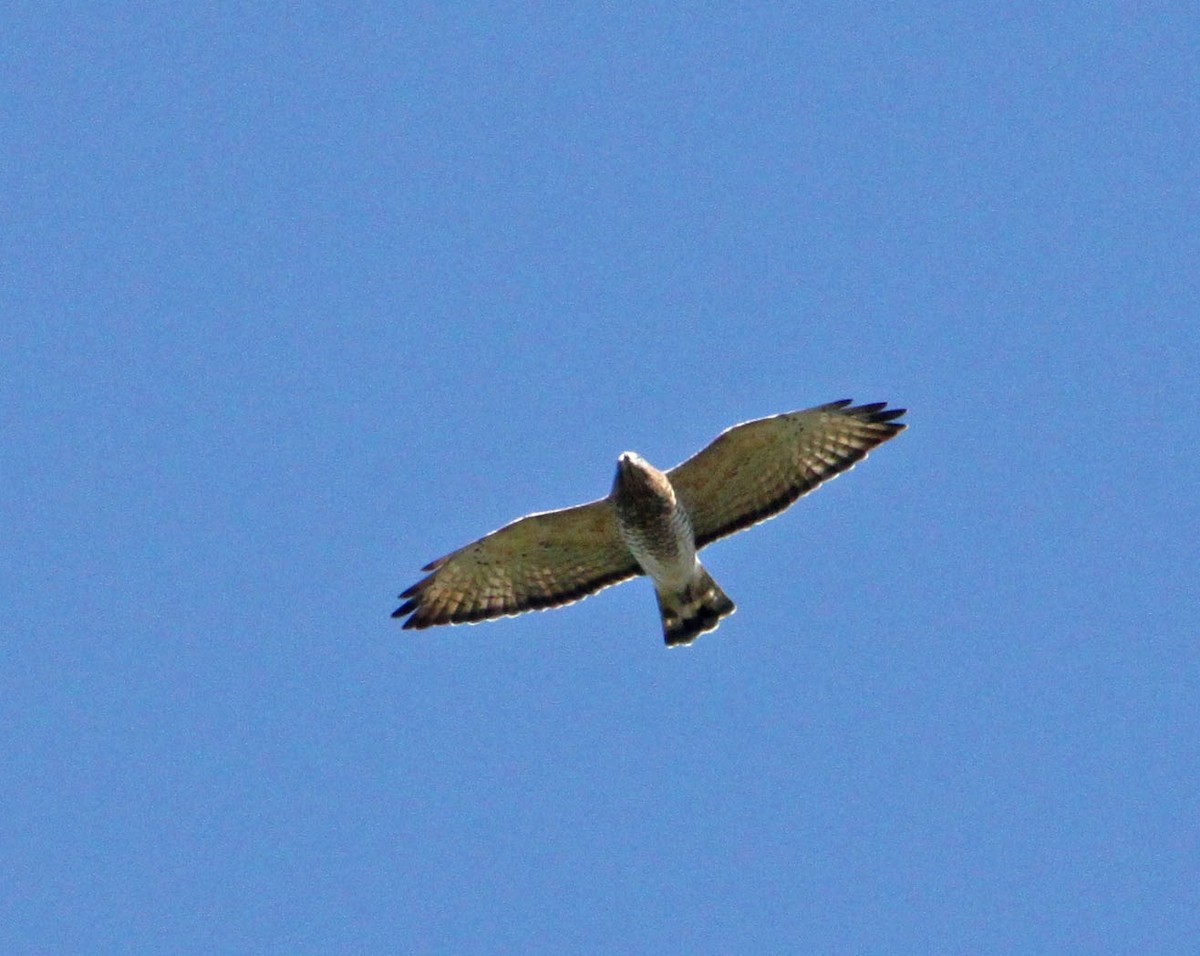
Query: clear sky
pixel 297 298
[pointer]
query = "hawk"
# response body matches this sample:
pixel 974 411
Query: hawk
pixel 652 522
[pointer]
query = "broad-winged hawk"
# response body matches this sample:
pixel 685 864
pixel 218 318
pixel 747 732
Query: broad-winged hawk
pixel 653 523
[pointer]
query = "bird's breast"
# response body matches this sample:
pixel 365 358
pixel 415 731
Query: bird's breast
pixel 661 542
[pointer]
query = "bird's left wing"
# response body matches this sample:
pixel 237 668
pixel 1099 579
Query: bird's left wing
pixel 754 470
pixel 539 561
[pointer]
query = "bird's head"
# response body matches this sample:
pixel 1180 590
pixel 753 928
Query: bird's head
pixel 638 478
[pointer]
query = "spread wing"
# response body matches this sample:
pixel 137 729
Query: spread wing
pixel 755 470
pixel 539 561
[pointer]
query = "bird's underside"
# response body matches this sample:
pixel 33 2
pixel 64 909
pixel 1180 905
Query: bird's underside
pixel 652 523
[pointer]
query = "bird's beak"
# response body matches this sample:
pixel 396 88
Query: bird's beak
pixel 625 469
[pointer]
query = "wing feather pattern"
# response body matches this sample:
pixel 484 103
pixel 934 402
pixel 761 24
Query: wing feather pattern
pixel 753 471
pixel 539 561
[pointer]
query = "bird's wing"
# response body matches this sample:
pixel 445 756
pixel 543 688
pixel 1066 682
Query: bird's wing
pixel 539 561
pixel 755 470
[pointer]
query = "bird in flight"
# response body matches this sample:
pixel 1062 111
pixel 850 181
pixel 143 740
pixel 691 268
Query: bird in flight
pixel 653 523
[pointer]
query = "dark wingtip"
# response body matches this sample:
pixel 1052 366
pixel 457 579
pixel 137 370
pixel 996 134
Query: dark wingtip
pixel 877 413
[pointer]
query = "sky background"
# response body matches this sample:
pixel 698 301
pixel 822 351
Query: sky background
pixel 297 298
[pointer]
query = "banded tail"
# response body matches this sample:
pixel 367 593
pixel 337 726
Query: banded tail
pixel 698 608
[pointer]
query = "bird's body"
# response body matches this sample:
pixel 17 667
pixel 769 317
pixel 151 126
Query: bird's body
pixel 652 523
pixel 657 529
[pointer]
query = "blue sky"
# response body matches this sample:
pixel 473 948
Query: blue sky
pixel 298 298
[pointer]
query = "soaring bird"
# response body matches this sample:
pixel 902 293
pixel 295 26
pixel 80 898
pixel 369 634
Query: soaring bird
pixel 652 522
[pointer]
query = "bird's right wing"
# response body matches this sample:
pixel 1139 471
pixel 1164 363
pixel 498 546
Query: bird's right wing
pixel 755 470
pixel 539 561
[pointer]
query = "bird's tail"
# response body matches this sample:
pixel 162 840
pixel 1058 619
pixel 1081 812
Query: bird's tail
pixel 697 608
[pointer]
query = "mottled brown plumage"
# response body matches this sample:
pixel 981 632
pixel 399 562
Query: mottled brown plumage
pixel 652 523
